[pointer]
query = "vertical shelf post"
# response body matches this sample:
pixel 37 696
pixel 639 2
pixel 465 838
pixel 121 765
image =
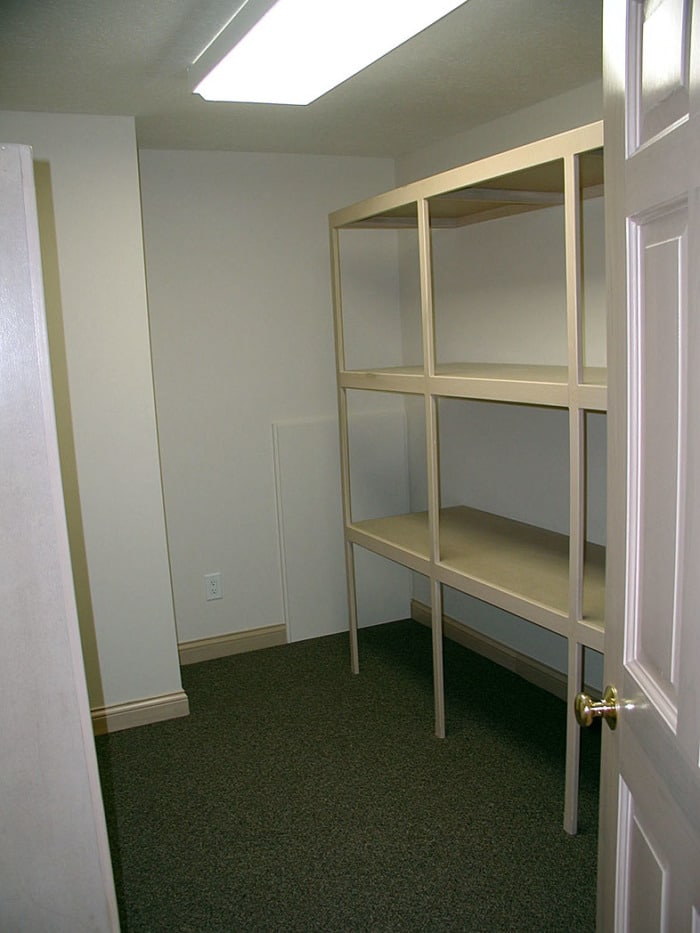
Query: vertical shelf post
pixel 344 448
pixel 577 499
pixel 352 607
pixel 438 665
pixel 432 453
pixel 573 738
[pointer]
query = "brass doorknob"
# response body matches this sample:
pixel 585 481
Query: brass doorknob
pixel 587 710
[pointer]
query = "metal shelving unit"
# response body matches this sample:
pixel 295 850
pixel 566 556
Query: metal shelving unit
pixel 553 580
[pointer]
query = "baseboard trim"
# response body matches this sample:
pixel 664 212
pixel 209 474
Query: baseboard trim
pixel 528 668
pixel 139 712
pixel 221 646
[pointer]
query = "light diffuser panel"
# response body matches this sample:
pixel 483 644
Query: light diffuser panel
pixel 300 49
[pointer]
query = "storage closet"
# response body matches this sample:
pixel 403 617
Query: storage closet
pixel 495 329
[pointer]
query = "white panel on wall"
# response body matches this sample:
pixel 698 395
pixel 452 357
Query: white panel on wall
pixel 307 472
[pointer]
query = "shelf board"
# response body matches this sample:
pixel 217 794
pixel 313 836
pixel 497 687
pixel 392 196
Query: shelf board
pixel 529 189
pixel 523 560
pixel 506 382
pixel 403 538
pixel 506 372
pixel 387 379
pixel 531 178
pixel 519 567
pixel 595 376
pixel 591 632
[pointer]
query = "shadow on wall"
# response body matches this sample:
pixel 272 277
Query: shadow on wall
pixel 64 426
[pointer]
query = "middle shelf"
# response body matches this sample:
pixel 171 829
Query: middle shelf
pixel 505 382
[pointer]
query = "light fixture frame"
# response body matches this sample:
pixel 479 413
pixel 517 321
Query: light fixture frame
pixel 246 16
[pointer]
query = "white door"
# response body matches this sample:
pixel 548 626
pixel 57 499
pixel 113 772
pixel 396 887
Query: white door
pixel 55 868
pixel 649 864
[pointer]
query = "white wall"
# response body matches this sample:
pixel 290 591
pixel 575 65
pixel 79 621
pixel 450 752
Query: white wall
pixel 575 108
pixel 96 305
pixel 238 272
pixel 239 289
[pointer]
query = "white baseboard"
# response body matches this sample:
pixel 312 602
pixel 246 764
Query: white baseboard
pixel 139 712
pixel 221 646
pixel 528 668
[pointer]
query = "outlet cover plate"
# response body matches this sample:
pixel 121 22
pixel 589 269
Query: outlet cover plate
pixel 212 586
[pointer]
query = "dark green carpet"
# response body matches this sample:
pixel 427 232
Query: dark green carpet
pixel 297 797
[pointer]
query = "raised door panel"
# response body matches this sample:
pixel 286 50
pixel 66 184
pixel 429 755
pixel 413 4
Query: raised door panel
pixel 657 891
pixel 659 79
pixel 658 405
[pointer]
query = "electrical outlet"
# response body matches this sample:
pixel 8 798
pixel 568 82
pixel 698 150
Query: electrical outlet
pixel 212 586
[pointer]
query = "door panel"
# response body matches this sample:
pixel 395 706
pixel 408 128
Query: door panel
pixel 657 396
pixel 659 76
pixel 656 890
pixel 644 904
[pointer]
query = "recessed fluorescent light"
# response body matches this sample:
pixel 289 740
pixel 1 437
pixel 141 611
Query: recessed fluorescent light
pixel 300 49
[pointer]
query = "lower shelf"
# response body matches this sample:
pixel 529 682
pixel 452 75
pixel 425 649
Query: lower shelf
pixel 518 567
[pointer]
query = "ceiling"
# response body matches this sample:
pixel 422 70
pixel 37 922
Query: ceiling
pixel 486 59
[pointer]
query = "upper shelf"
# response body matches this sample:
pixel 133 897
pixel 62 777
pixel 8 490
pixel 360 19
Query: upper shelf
pixel 525 179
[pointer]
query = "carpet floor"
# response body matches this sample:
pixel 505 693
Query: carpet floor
pixel 298 797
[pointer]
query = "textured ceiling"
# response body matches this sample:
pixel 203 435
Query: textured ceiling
pixel 130 57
